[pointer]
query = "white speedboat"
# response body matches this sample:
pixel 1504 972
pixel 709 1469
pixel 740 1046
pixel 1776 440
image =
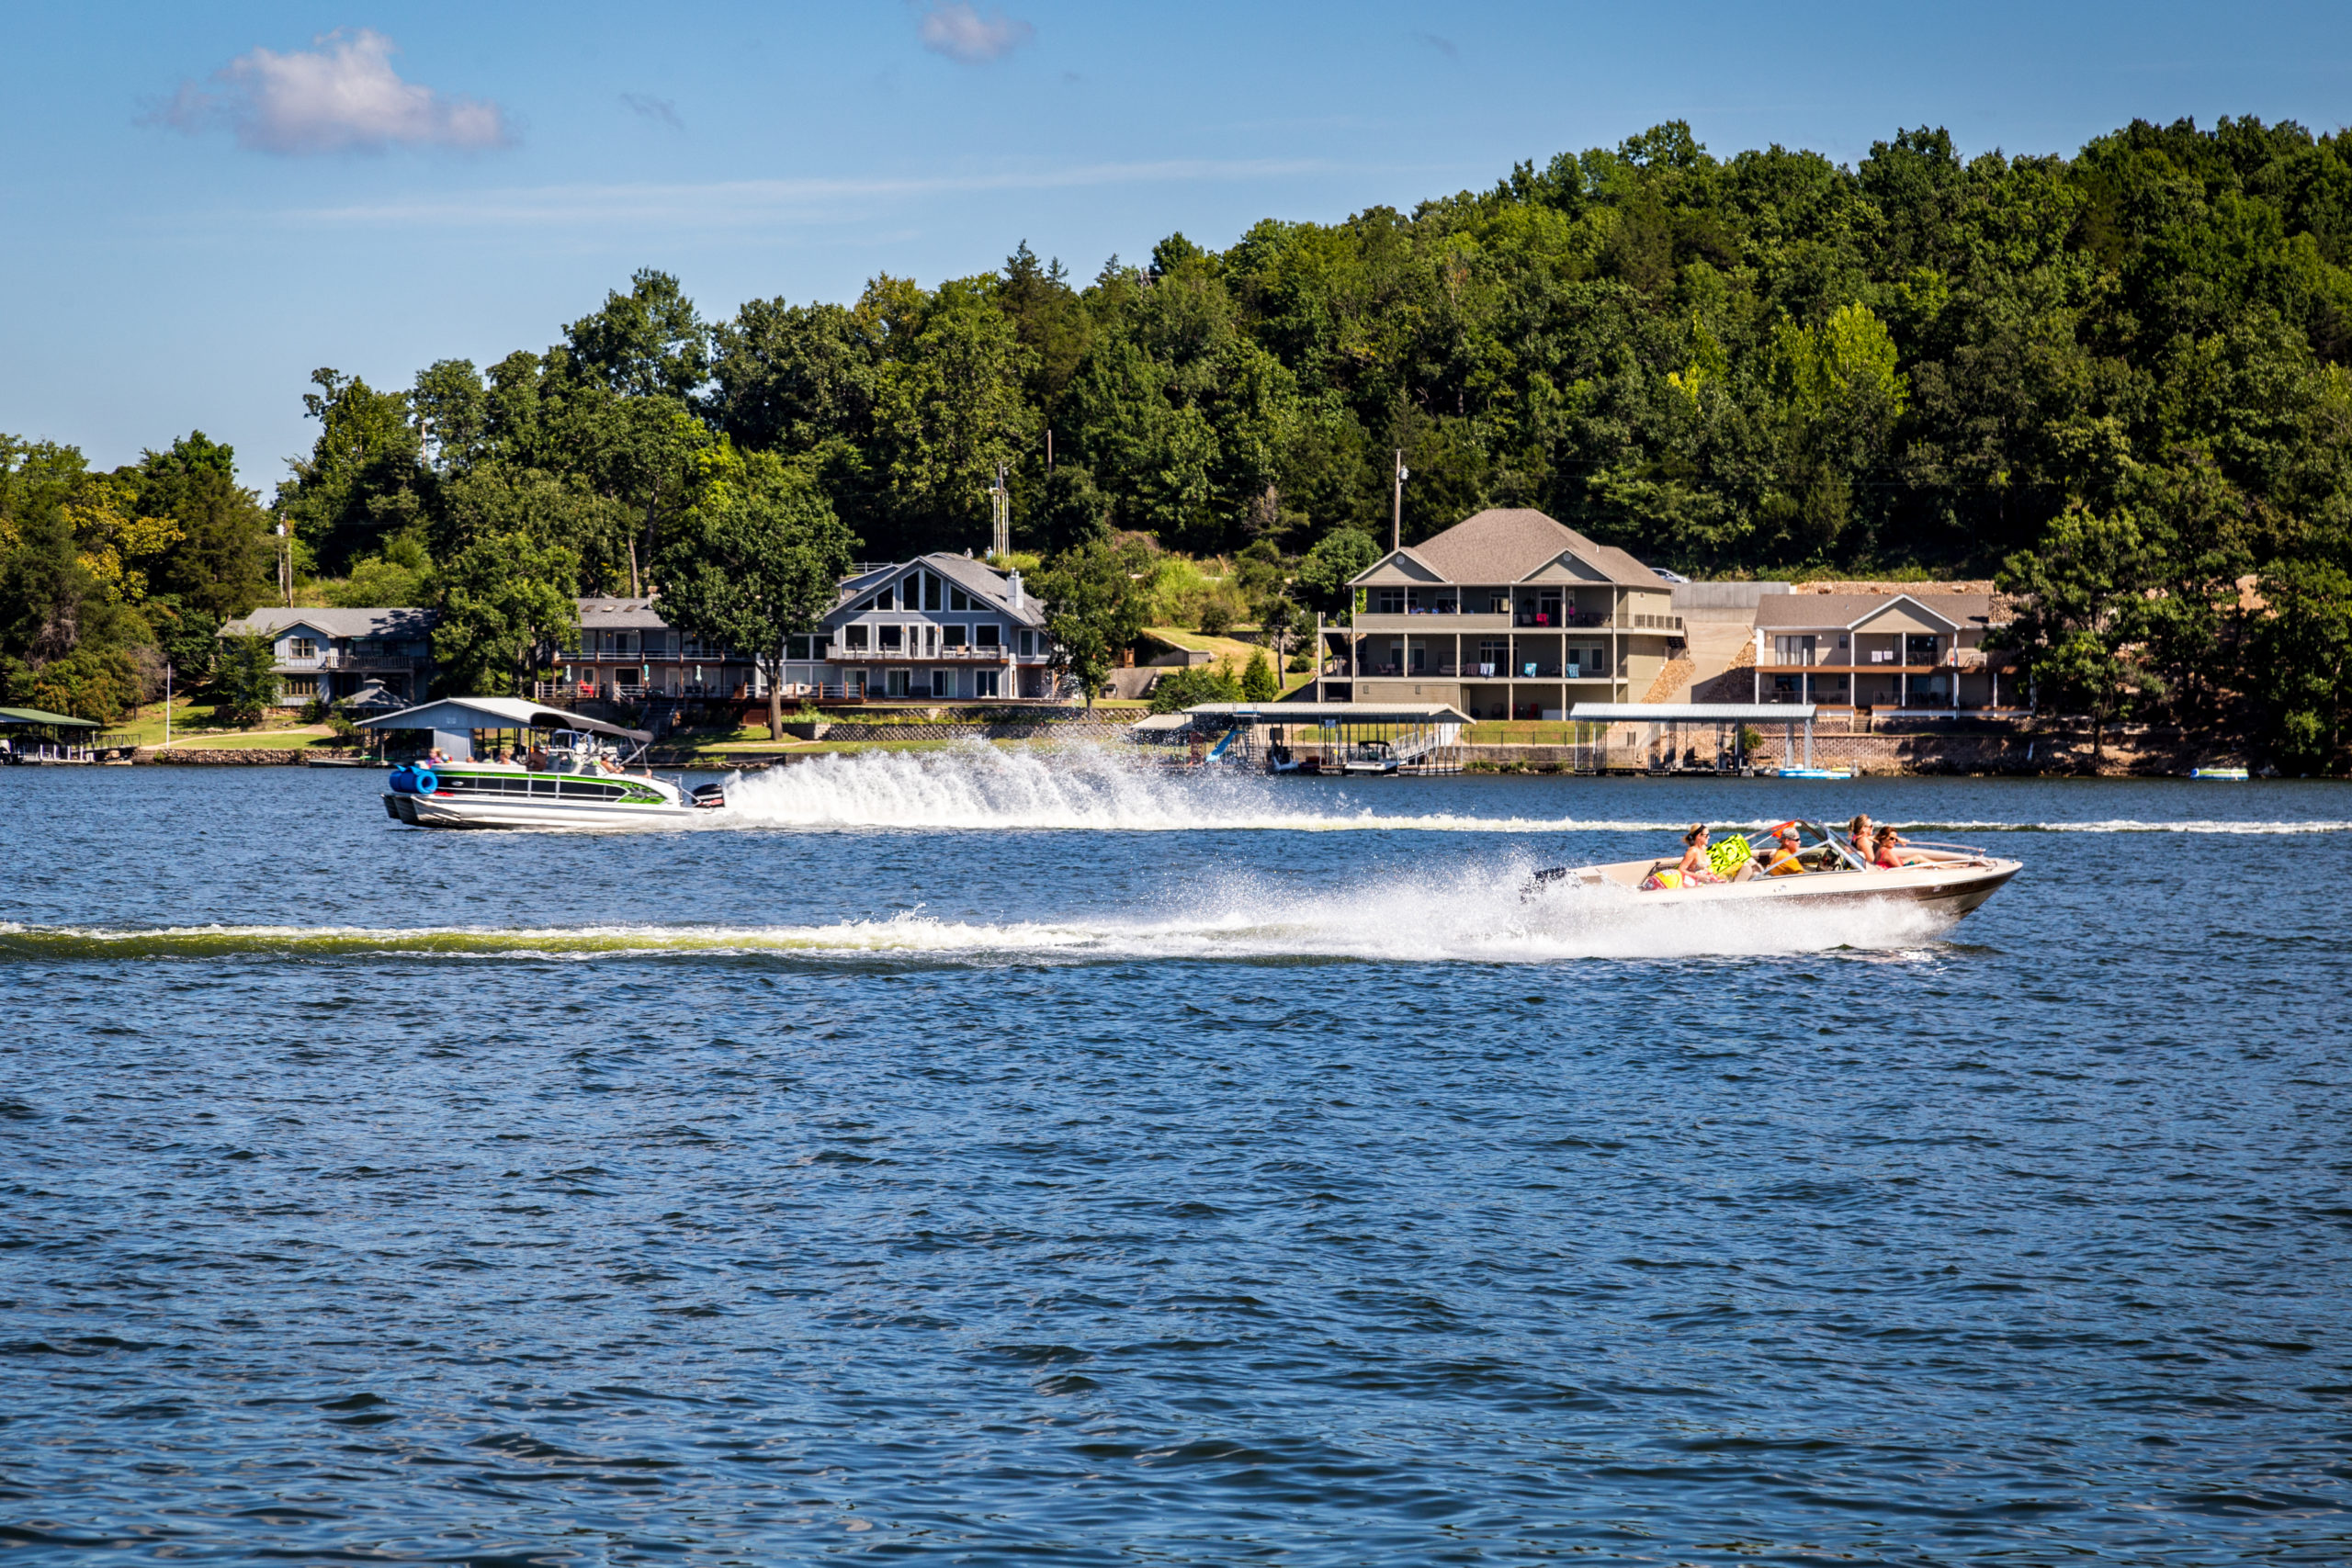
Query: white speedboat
pixel 1948 879
pixel 572 772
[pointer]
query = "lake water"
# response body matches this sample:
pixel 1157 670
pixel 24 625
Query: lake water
pixel 1009 1160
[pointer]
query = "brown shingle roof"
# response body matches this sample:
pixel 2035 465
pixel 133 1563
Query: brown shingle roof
pixel 1840 610
pixel 1505 544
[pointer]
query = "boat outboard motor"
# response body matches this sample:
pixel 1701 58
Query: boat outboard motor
pixel 711 795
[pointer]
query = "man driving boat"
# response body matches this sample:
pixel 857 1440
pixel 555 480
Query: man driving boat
pixel 1782 858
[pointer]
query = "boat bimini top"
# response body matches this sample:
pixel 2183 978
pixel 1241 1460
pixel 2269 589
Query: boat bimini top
pixel 459 714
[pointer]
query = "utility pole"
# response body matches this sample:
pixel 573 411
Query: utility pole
pixel 285 564
pixel 1001 507
pixel 167 702
pixel 1397 511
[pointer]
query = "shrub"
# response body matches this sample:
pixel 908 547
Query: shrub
pixel 1182 689
pixel 1258 682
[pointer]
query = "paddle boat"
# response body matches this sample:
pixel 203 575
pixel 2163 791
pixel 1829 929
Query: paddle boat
pixel 1948 879
pixel 574 771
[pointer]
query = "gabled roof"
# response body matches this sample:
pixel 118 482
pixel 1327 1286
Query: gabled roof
pixel 620 615
pixel 976 578
pixel 1504 545
pixel 1845 612
pixel 398 623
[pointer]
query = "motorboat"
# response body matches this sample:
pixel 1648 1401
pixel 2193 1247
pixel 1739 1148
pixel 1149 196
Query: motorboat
pixel 1948 879
pixel 576 771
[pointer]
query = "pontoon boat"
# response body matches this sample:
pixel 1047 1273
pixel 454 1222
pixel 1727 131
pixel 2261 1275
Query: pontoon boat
pixel 572 774
pixel 1948 879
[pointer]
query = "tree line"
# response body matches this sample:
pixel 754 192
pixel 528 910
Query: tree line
pixel 2117 382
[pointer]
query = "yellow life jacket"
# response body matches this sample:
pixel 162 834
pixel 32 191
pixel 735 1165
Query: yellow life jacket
pixel 1669 878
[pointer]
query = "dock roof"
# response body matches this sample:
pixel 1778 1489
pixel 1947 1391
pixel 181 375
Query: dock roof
pixel 1691 713
pixel 36 716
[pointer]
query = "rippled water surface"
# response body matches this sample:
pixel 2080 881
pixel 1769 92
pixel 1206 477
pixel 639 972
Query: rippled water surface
pixel 1016 1159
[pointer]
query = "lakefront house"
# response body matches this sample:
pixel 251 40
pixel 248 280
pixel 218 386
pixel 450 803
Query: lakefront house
pixel 1902 652
pixel 366 659
pixel 942 627
pixel 1506 614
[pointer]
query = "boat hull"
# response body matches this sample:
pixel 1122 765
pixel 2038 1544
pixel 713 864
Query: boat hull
pixel 1948 891
pixel 443 810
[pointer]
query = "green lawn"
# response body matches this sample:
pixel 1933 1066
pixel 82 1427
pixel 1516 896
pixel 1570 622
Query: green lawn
pixel 194 726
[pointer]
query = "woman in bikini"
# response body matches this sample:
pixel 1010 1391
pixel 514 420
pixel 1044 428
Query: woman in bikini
pixel 1694 866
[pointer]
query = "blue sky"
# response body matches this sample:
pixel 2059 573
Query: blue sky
pixel 198 205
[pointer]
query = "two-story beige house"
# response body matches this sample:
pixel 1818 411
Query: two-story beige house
pixel 1902 652
pixel 1506 614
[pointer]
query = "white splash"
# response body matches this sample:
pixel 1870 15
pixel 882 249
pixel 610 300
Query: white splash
pixel 1474 915
pixel 1080 789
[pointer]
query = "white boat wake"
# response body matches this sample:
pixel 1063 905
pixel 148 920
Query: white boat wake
pixel 1092 789
pixel 1079 788
pixel 1479 918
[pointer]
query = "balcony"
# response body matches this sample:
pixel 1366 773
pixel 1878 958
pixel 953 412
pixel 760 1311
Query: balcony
pixel 838 654
pixel 353 661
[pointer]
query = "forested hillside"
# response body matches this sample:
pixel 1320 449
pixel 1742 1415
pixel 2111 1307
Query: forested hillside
pixel 2121 377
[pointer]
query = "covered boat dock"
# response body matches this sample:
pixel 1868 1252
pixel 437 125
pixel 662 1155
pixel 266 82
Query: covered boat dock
pixel 31 735
pixel 1666 723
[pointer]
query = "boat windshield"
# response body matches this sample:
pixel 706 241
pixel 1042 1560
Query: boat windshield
pixel 1818 847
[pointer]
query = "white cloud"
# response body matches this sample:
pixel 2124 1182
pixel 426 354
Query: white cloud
pixel 953 29
pixel 340 95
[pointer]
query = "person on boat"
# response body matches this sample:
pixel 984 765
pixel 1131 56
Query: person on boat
pixel 1694 867
pixel 1886 853
pixel 537 761
pixel 1858 834
pixel 1781 859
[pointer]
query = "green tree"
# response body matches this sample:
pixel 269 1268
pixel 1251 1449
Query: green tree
pixel 758 557
pixel 365 475
pixel 2301 666
pixel 1094 608
pixel 2083 601
pixel 1259 682
pixel 506 601
pixel 243 684
pixel 1335 561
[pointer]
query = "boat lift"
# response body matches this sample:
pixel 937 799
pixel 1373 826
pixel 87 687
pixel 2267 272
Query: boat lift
pixel 1419 739
pixel 1667 720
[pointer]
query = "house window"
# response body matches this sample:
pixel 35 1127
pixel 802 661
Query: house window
pixel 301 648
pixel 887 599
pixel 939 680
pixel 1418 661
pixel 984 635
pixel 896 686
pixel 798 647
pixel 853 637
pixel 984 682
pixel 1918 649
pixel 300 686
pixel 1024 642
pixel 1388 601
pixel 930 591
pixel 893 638
pixel 953 637
pixel 958 600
